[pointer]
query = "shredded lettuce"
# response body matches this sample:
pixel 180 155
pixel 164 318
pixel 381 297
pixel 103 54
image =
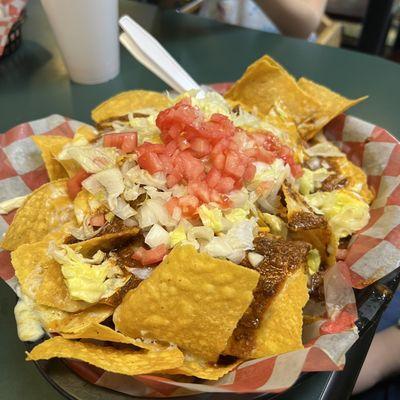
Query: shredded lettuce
pixel 107 186
pixel 313 261
pixel 146 127
pixel 92 159
pixel 324 149
pixel 156 236
pixel 87 279
pixel 234 243
pixel 275 224
pixel 346 212
pixel 312 180
pixel 153 211
pixel 178 235
pixel 212 217
pixel 236 215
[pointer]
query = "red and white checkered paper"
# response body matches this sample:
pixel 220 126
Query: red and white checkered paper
pixel 10 11
pixel 374 252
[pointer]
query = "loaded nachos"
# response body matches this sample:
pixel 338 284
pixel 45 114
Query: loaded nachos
pixel 185 234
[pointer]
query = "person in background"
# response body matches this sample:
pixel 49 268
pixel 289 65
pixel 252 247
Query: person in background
pixel 379 377
pixel 297 18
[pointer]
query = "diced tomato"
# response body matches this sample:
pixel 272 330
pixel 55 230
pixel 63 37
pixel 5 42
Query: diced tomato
pixel 225 185
pixel 74 184
pixel 152 147
pixel 183 143
pixel 296 170
pixel 234 166
pixel 219 161
pixel 200 190
pixel 170 148
pixel 251 152
pixel 182 117
pixel 250 172
pixel 171 204
pixel 200 146
pixel 213 177
pixel 125 141
pixel 188 205
pixel 215 196
pixel 192 167
pixel 130 143
pixel 218 127
pixel 138 254
pixel 265 156
pixel 152 256
pixel 97 220
pixel 150 162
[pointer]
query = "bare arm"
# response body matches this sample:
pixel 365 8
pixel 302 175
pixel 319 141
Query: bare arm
pixel 383 359
pixel 297 18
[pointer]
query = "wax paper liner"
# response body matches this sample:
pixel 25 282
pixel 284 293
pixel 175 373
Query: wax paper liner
pixel 374 252
pixel 10 11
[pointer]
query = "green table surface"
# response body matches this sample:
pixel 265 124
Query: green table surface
pixel 34 84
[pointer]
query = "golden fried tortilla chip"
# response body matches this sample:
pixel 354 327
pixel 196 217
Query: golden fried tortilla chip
pixel 332 104
pixel 120 361
pixel 191 299
pixel 105 242
pixel 201 369
pixel 61 321
pixel 126 102
pixel 47 144
pixel 53 291
pixel 304 224
pixel 45 209
pixel 281 327
pixel 81 205
pixel 355 177
pixel 29 261
pixel 266 83
pixel 279 117
pixel 282 259
pixel 85 134
pixel 101 332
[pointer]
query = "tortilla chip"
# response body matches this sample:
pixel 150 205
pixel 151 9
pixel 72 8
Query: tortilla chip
pixel 266 83
pixel 304 224
pixel 47 144
pixel 120 361
pixel 191 299
pixel 281 259
pixel 84 134
pixel 281 327
pixel 81 205
pixel 202 369
pixel 332 104
pixel 279 117
pixel 126 102
pixel 356 179
pixel 29 261
pixel 44 210
pixel 105 242
pixel 101 332
pixel 61 321
pixel 53 291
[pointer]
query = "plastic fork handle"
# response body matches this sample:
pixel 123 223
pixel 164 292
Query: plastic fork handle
pixel 144 60
pixel 157 53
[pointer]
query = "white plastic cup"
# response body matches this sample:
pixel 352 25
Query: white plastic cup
pixel 87 35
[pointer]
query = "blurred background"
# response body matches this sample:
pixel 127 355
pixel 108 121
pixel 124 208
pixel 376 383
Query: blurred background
pixel 370 26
